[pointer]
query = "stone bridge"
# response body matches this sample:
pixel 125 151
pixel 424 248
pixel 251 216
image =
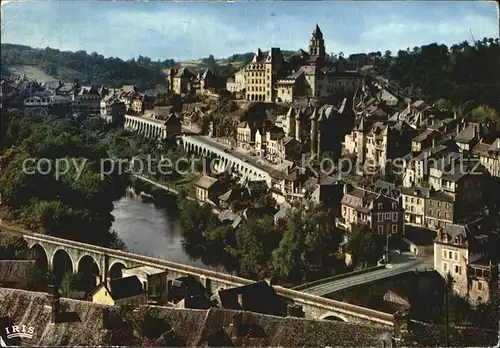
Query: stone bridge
pixel 148 127
pixel 248 166
pixel 106 259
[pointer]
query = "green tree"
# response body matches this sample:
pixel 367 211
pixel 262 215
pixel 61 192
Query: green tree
pixel 364 246
pixel 288 259
pixel 487 116
pixel 255 242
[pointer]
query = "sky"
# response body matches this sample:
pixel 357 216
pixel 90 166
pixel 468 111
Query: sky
pixel 188 30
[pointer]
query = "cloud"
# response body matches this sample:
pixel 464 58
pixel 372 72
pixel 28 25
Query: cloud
pixel 194 30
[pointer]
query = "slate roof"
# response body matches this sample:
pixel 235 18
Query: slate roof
pixel 14 271
pixel 254 296
pixel 184 73
pixel 125 287
pixel 206 182
pixel 422 136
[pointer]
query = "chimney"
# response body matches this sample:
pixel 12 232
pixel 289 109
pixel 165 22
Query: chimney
pixel 240 300
pixel 433 142
pixel 54 303
pixel 458 128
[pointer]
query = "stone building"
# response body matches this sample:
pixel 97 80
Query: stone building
pixel 383 214
pixel 180 80
pixel 463 179
pixel 87 100
pixel 237 82
pixel 262 73
pixel 489 154
pixel 112 110
pixel 245 136
pixel 378 142
pixel 462 252
pixel 119 291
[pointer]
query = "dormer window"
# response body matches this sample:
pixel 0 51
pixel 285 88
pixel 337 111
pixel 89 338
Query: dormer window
pixel 394 206
pixel 380 206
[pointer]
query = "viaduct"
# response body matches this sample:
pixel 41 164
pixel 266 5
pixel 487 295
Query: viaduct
pixel 149 127
pixel 248 166
pixel 107 260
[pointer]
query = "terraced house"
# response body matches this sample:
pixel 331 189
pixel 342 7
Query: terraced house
pixel 464 252
pixel 381 213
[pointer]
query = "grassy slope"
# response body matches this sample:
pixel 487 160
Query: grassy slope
pixel 33 72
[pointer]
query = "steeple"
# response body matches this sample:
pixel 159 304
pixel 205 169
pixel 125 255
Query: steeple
pixel 317 32
pixel 317 44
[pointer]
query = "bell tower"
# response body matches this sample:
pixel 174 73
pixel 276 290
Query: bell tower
pixel 317 44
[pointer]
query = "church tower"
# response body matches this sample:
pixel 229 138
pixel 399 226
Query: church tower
pixel 317 44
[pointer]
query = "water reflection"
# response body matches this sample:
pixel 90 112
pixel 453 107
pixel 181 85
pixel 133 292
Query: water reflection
pixel 149 230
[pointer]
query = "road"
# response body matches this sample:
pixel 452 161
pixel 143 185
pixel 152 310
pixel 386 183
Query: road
pixel 396 268
pixel 210 143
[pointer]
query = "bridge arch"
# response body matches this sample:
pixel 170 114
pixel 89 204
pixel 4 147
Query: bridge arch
pixel 87 263
pixel 333 316
pixel 115 269
pixel 62 263
pixel 39 254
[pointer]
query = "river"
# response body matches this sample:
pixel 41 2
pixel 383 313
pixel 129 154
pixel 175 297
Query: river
pixel 149 230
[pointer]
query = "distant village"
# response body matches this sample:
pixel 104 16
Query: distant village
pixel 450 166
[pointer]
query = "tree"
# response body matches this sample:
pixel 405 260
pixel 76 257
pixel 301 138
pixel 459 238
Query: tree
pixel 364 246
pixel 486 116
pixel 288 259
pixel 255 241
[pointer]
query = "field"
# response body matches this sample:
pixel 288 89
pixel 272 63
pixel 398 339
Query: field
pixel 31 72
pixel 35 73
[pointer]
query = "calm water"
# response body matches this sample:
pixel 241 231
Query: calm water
pixel 149 230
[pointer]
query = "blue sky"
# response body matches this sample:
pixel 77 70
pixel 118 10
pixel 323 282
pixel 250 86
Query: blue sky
pixel 187 30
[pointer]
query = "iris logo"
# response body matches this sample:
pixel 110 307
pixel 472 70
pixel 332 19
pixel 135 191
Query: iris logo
pixel 17 331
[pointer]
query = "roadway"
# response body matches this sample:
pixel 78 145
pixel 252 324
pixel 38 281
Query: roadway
pixel 393 269
pixel 210 143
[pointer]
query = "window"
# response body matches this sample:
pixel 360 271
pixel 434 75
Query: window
pixel 479 286
pixel 395 216
pixel 458 270
pixel 450 255
pixel 445 267
pixel 445 253
pixel 395 206
pixel 394 229
pixel 380 206
pixel 455 256
pixel 380 229
pixel 387 216
pixel 380 217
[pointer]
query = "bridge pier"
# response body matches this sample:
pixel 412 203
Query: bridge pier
pixel 105 258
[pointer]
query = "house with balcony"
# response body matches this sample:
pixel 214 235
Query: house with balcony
pixel 463 252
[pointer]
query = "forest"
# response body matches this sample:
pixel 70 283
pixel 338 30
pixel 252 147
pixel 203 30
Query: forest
pixel 90 68
pixel 462 73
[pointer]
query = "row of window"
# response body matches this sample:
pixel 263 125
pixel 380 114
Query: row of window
pixel 394 229
pixel 380 206
pixel 450 255
pixel 387 216
pixel 456 268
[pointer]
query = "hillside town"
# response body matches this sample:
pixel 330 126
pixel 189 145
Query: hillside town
pixel 294 133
